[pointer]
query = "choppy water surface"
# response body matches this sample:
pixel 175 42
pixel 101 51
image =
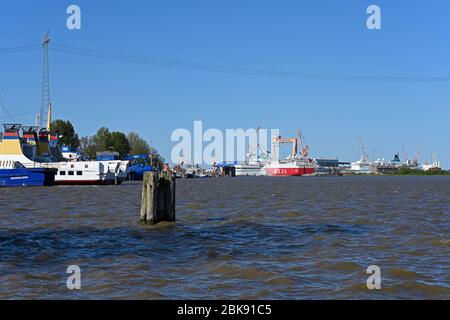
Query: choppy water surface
pixel 274 238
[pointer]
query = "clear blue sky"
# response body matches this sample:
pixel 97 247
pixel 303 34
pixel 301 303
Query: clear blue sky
pixel 322 37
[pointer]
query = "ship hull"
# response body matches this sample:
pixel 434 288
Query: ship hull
pixel 250 170
pixel 86 182
pixel 289 168
pixel 27 177
pixel 284 172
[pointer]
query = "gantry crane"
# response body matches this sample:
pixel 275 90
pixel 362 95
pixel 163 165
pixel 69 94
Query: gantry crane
pixel 279 140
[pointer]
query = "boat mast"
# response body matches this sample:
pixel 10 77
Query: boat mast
pixel 46 105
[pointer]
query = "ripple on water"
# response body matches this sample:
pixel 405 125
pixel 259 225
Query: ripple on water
pixel 229 270
pixel 441 242
pixel 280 281
pixel 251 237
pixel 403 274
pixel 418 290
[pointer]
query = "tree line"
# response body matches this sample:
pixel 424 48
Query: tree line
pixel 104 140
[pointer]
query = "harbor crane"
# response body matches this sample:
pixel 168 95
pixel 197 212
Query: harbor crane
pixel 294 141
pixel 405 154
pixel 279 140
pixel 304 147
pixel 416 157
pixel 364 155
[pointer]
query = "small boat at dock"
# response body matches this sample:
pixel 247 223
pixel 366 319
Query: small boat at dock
pixel 32 150
pixel 15 174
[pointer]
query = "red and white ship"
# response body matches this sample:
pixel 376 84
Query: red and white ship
pixel 295 164
pixel 296 167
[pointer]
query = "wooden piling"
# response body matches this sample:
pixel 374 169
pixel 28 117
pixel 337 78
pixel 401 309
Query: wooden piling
pixel 158 197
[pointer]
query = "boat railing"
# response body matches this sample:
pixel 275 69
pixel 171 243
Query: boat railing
pixel 49 165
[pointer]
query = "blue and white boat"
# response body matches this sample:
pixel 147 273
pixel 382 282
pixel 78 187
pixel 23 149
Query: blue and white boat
pixel 32 149
pixel 14 174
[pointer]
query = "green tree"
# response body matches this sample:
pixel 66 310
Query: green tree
pixel 88 147
pixel 137 144
pixel 118 142
pixel 102 139
pixel 66 132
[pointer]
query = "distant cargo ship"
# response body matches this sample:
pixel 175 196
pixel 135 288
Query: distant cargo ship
pixel 295 164
pixel 295 167
pixel 267 164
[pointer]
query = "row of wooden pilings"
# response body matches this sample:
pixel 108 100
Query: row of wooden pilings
pixel 158 197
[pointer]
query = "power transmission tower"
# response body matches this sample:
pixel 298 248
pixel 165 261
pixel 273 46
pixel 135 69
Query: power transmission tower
pixel 44 118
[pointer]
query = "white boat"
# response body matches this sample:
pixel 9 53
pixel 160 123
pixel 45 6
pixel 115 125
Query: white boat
pixel 250 169
pixel 254 163
pixel 362 166
pixel 435 164
pixel 195 172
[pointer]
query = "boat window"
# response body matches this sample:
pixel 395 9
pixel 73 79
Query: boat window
pixel 71 173
pixel 72 166
pixel 79 173
pixel 86 166
pixel 62 173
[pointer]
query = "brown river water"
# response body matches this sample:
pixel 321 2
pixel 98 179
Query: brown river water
pixel 235 238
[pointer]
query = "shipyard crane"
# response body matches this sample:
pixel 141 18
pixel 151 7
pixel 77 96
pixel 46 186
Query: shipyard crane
pixel 263 150
pixel 44 117
pixel 405 154
pixel 254 147
pixel 416 157
pixel 364 155
pixel 279 140
pixel 260 149
pixel 304 147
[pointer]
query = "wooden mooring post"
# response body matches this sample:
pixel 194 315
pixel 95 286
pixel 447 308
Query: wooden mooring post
pixel 158 198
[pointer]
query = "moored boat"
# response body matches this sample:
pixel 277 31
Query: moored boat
pixel 14 174
pixel 33 151
pixel 295 164
pixel 295 167
pixel 250 169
